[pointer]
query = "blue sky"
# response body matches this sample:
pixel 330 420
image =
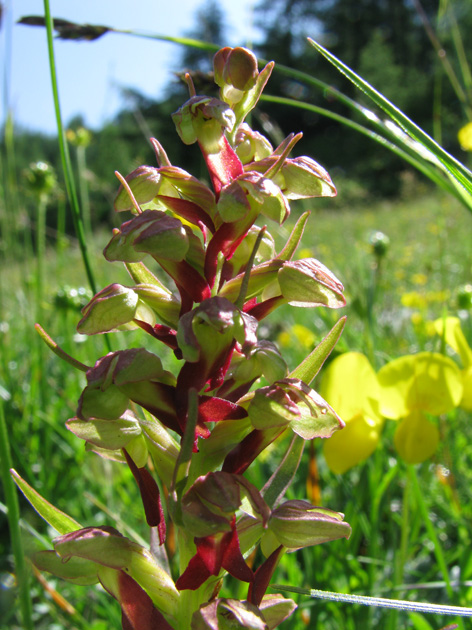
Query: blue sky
pixel 90 73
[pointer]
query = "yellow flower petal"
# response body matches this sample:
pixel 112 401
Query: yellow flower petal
pixel 426 381
pixel 350 386
pixel 416 438
pixel 450 327
pixel 353 444
pixel 304 335
pixel 465 137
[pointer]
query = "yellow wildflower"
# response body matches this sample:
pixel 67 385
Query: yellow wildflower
pixel 465 137
pixel 350 386
pixel 411 387
pixel 450 328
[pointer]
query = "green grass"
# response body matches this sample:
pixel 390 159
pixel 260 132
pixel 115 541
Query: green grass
pixel 389 554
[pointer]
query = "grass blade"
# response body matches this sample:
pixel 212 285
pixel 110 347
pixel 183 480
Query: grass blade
pixel 380 602
pixel 65 158
pixel 453 167
pixel 401 149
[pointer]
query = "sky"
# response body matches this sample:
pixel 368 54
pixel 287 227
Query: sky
pixel 90 73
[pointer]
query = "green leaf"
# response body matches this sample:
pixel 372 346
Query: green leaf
pixel 419 622
pixel 60 521
pixel 76 570
pixel 309 367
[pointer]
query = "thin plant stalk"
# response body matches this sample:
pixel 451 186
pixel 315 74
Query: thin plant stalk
pixel 40 250
pixel 442 56
pixel 65 157
pixel 66 162
pixel 83 189
pixel 11 500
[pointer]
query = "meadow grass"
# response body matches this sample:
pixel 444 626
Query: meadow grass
pixel 410 525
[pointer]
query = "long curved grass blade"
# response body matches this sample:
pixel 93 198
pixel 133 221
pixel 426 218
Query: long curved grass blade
pixel 403 151
pixel 457 171
pixel 380 602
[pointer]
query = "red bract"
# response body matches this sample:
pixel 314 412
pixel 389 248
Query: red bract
pixel 215 553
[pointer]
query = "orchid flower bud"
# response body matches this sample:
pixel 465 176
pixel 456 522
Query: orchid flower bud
pixel 196 333
pixel 250 145
pixel 203 119
pixel 110 434
pixel 263 359
pixel 144 182
pixel 207 120
pixel 240 82
pixel 208 511
pixel 228 614
pixel 290 402
pixel 235 72
pixel 126 375
pixel 114 307
pixel 298 178
pixel 309 283
pixel 151 232
pixel 298 524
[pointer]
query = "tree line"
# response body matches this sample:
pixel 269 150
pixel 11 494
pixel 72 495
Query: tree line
pixel 385 41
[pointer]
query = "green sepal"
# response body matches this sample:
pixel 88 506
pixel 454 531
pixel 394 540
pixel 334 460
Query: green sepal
pixel 309 283
pixel 294 239
pixel 76 570
pixel 298 524
pixel 108 434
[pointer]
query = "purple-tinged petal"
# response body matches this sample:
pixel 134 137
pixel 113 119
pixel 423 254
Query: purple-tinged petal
pixel 213 409
pixel 242 455
pixel 189 211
